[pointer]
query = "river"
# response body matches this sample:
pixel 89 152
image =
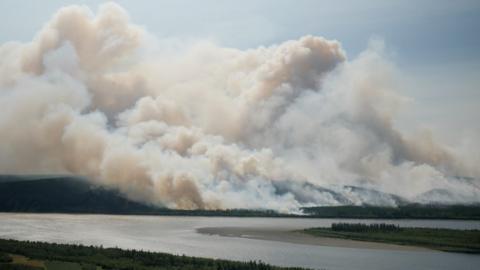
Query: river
pixel 179 235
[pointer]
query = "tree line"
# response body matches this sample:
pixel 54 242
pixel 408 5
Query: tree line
pixel 121 259
pixel 361 227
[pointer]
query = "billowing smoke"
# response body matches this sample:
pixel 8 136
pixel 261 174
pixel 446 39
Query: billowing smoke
pixel 194 125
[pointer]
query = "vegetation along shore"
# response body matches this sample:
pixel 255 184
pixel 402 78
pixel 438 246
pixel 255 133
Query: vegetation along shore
pixel 465 241
pixel 26 255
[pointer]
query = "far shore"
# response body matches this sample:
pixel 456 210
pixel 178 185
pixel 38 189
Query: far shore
pixel 298 237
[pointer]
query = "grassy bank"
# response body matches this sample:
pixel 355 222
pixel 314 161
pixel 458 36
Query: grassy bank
pixel 465 241
pixel 38 255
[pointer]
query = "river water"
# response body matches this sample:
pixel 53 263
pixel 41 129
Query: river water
pixel 178 235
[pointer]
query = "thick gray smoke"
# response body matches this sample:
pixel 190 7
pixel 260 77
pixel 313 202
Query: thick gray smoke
pixel 200 126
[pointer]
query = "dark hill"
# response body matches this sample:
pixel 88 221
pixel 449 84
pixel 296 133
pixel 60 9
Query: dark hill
pixel 68 194
pixel 62 195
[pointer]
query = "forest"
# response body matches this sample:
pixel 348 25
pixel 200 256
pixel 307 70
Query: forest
pixel 93 257
pixel 73 195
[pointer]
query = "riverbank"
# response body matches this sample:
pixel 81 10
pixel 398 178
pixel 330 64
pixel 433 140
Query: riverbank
pixel 40 255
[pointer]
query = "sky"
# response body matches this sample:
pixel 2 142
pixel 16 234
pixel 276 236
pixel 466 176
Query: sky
pixel 434 43
pixel 222 104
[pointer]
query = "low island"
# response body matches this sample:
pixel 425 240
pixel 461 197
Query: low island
pixel 465 241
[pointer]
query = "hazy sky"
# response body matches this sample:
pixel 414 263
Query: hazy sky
pixel 435 43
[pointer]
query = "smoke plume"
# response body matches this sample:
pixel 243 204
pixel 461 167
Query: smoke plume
pixel 194 125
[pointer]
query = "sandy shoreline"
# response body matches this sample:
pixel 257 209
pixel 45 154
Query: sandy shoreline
pixel 297 237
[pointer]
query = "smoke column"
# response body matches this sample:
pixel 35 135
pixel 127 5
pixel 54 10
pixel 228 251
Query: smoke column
pixel 194 125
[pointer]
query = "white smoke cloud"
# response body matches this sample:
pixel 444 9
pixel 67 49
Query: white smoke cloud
pixel 201 126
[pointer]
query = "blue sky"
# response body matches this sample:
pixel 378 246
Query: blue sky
pixel 435 44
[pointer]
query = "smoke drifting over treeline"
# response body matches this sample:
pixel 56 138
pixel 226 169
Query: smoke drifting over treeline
pixel 200 126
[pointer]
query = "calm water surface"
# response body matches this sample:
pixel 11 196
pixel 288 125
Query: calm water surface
pixel 178 235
